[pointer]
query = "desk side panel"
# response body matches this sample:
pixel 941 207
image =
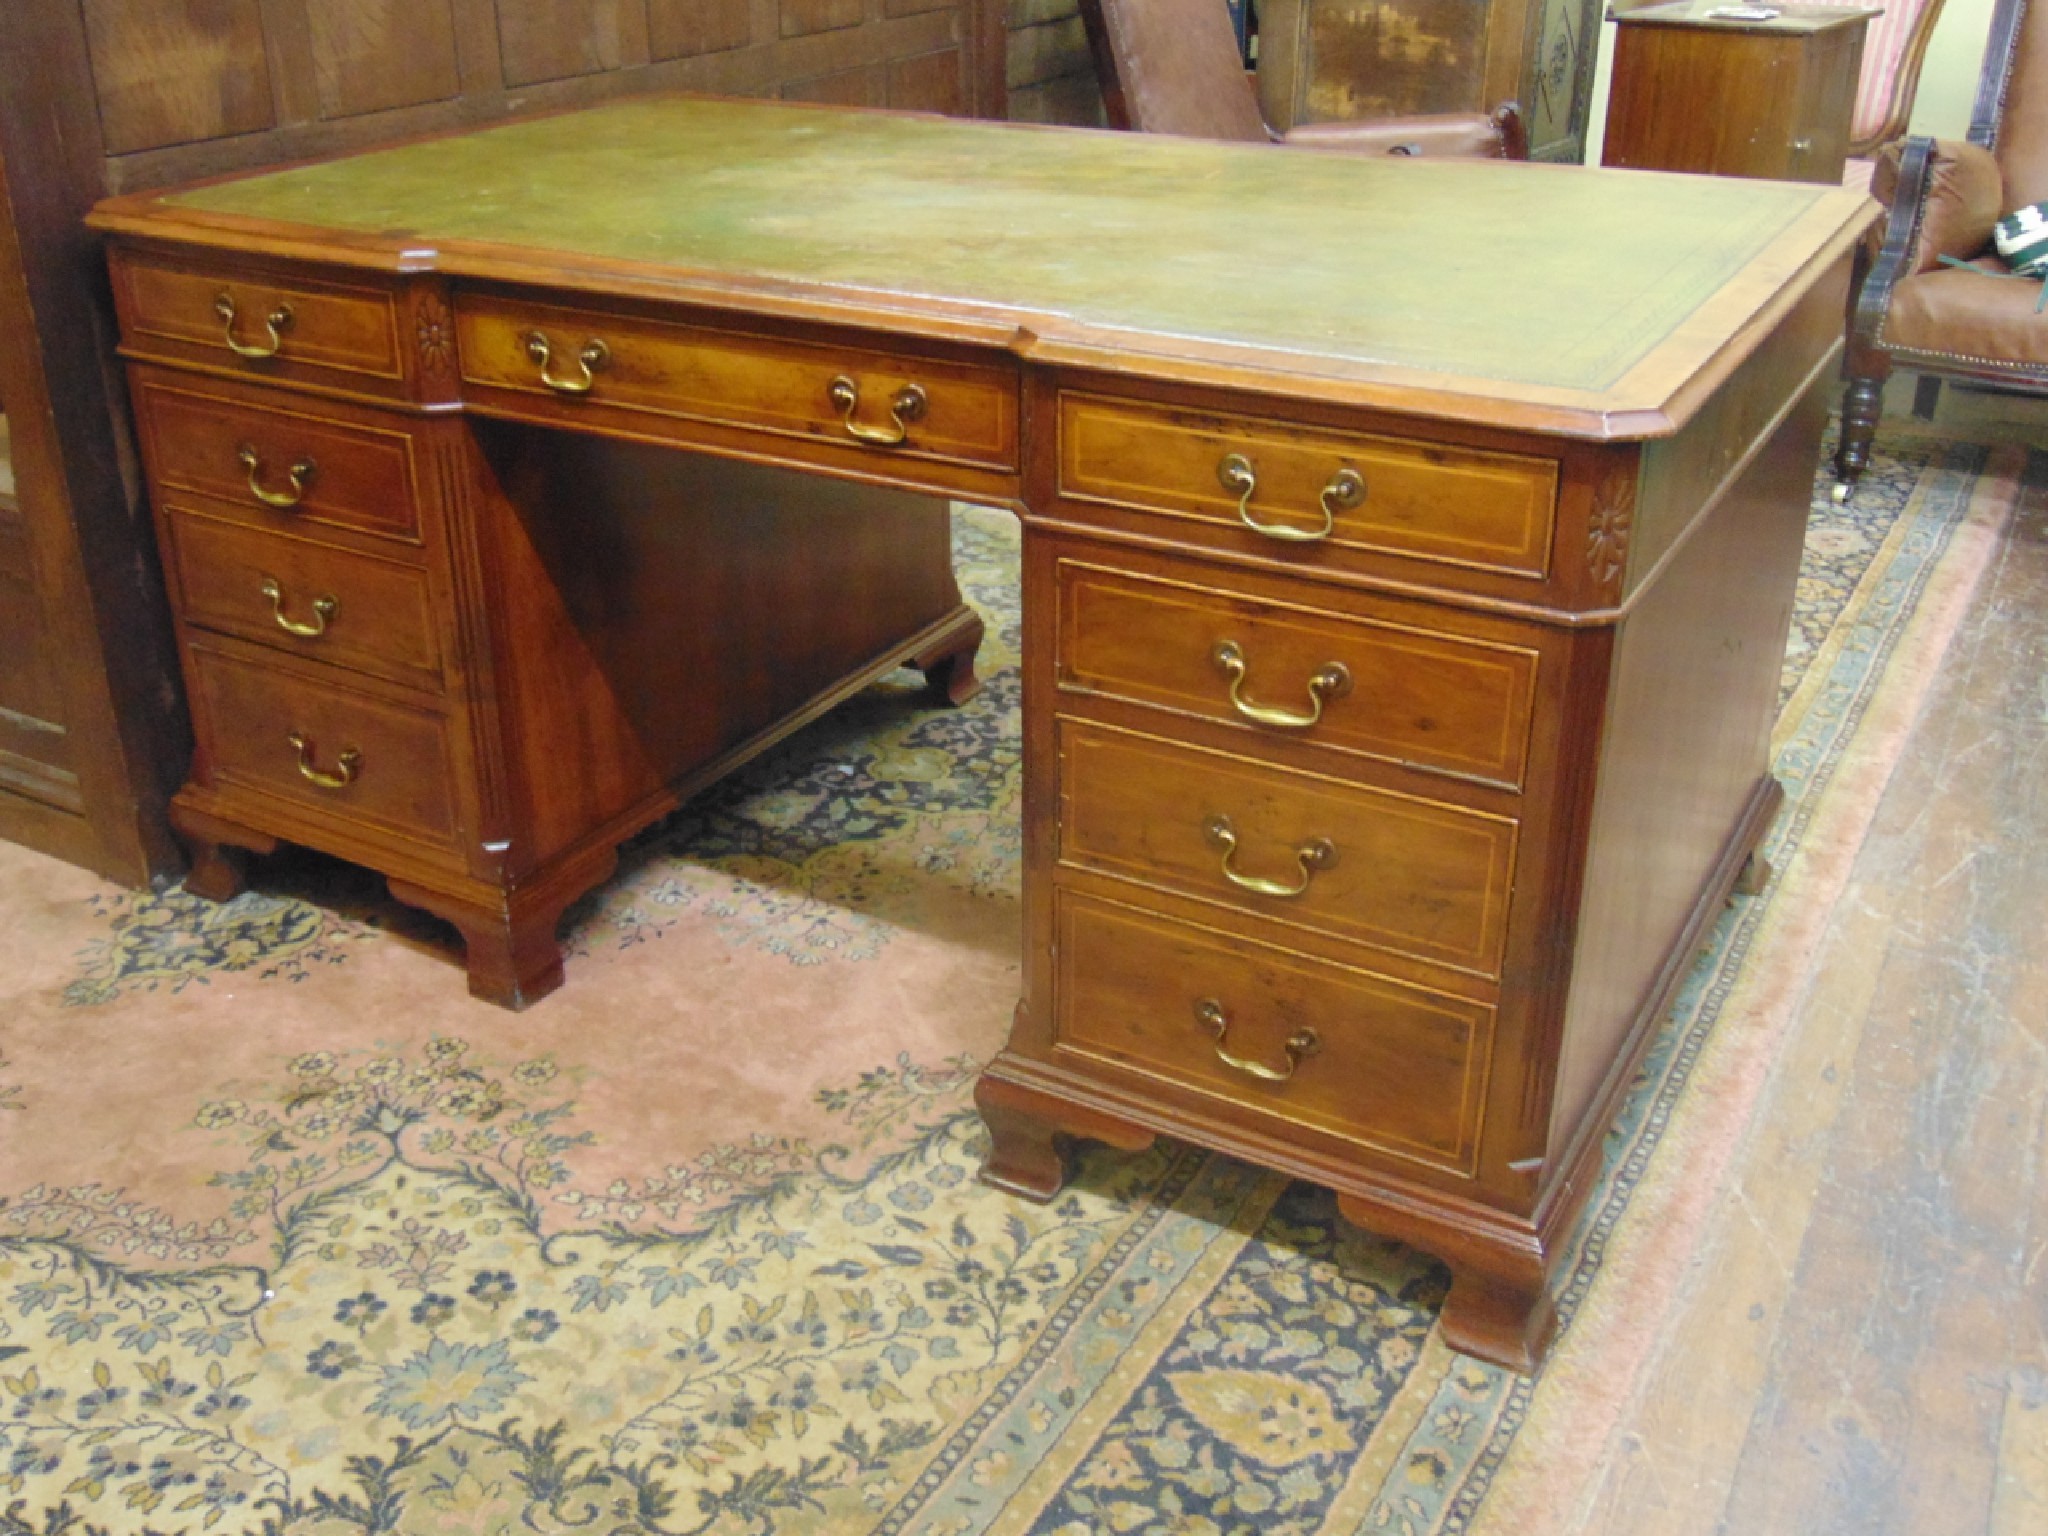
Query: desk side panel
pixel 1683 760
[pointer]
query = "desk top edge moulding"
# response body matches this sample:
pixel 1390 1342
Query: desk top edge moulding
pixel 1408 557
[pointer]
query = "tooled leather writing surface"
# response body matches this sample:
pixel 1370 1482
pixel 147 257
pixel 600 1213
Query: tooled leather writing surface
pixel 1558 278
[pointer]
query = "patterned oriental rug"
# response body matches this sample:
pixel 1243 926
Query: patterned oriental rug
pixel 296 1237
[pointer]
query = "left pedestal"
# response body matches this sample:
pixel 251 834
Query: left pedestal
pixel 473 656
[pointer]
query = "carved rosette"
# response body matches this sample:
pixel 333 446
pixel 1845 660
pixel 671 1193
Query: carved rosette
pixel 1607 539
pixel 436 331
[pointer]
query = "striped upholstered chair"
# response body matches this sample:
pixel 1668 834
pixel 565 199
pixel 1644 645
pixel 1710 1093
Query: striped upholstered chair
pixel 1894 48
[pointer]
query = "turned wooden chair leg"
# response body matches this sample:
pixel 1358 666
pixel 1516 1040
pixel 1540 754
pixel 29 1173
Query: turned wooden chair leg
pixel 1862 404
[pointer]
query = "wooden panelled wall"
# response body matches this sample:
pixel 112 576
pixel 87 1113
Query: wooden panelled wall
pixel 1051 73
pixel 184 87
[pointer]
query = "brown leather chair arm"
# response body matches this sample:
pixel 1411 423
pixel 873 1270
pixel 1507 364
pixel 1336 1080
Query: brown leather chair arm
pixel 1944 196
pixel 1497 134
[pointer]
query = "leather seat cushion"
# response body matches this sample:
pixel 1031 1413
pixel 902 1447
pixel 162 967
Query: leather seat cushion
pixel 1970 316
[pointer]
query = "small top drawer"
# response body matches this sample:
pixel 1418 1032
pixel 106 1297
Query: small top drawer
pixel 1295 493
pixel 295 464
pixel 881 402
pixel 338 334
pixel 1427 700
pixel 312 599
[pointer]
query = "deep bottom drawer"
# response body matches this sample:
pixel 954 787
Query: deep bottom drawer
pixel 1362 1058
pixel 312 737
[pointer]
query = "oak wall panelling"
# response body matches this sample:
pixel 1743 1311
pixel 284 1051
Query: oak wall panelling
pixel 93 736
pixel 190 88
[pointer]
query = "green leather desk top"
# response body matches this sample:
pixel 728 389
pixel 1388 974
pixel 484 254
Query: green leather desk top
pixel 1454 274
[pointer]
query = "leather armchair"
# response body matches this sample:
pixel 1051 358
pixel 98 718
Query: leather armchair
pixel 1172 66
pixel 1913 308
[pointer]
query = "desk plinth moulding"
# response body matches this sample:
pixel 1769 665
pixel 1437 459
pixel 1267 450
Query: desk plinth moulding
pixel 1399 658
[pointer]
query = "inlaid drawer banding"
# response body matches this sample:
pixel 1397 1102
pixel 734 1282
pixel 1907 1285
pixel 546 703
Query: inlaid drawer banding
pixel 1303 1045
pixel 1431 700
pixel 364 757
pixel 333 332
pixel 280 457
pixel 1338 499
pixel 860 397
pixel 1416 877
pixel 283 590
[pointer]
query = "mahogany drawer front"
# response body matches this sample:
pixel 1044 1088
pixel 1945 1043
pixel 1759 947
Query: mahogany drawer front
pixel 1462 507
pixel 279 462
pixel 1387 870
pixel 314 737
pixel 1359 1057
pixel 332 333
pixel 311 599
pixel 1417 697
pixel 955 412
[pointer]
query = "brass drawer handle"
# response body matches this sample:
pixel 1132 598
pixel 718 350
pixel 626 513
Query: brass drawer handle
pixel 1319 853
pixel 1303 1042
pixel 1346 489
pixel 298 475
pixel 590 362
pixel 908 404
pixel 275 324
pixel 1332 682
pixel 346 767
pixel 324 608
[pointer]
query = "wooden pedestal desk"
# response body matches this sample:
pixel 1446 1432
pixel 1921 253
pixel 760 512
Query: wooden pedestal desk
pixel 1403 609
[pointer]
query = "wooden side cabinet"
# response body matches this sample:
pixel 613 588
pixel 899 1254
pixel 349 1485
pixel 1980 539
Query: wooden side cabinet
pixel 1698 88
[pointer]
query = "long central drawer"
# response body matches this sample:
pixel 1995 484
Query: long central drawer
pixel 858 400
